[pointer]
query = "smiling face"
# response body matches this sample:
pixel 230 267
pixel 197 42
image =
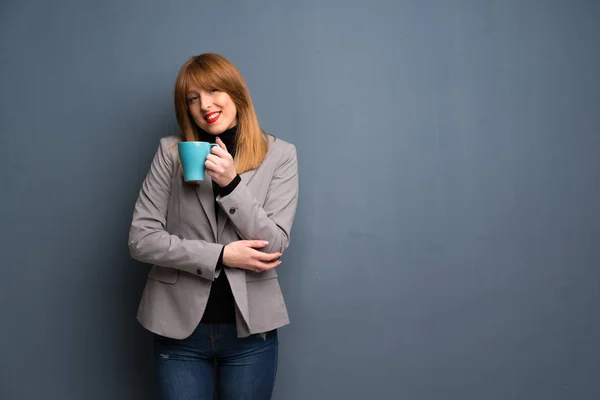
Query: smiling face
pixel 213 111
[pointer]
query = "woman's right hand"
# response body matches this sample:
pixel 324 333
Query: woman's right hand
pixel 243 254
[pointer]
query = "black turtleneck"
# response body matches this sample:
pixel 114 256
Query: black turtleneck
pixel 221 304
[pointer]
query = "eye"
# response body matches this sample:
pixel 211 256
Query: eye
pixel 213 90
pixel 192 99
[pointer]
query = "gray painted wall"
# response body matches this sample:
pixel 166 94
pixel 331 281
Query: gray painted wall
pixel 446 244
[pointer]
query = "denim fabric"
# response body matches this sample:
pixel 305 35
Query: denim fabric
pixel 214 357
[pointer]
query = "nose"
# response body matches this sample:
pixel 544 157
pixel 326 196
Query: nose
pixel 205 102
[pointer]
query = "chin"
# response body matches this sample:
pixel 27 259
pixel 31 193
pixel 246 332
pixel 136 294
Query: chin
pixel 213 130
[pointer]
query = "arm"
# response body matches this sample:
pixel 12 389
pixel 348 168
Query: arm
pixel 149 242
pixel 272 221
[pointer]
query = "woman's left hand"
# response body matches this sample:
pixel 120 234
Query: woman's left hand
pixel 219 165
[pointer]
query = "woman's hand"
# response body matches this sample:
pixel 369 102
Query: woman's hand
pixel 243 254
pixel 219 165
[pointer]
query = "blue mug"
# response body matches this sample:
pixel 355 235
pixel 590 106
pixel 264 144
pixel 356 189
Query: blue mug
pixel 193 156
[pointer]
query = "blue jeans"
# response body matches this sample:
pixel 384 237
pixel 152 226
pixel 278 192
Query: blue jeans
pixel 213 357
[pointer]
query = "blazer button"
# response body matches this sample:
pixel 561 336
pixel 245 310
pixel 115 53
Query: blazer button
pixel 198 271
pixel 232 210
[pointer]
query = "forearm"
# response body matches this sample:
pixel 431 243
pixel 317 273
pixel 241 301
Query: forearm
pixel 158 247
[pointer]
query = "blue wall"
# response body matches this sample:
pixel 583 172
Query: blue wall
pixel 446 244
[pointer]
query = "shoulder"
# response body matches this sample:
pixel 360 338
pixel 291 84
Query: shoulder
pixel 168 147
pixel 280 150
pixel 169 141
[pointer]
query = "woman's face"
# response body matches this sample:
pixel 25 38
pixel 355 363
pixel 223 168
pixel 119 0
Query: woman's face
pixel 213 111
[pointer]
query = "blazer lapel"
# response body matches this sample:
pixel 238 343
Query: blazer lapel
pixel 245 176
pixel 206 196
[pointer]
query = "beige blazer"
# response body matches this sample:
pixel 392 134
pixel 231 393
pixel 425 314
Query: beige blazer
pixel 174 229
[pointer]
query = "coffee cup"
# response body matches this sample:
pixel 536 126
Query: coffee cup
pixel 193 156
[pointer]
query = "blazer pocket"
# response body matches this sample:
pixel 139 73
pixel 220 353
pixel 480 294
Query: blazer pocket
pixel 163 274
pixel 260 276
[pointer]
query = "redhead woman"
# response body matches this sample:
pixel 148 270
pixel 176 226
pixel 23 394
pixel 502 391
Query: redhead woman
pixel 212 298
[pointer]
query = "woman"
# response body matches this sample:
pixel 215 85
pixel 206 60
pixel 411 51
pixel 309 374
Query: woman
pixel 212 298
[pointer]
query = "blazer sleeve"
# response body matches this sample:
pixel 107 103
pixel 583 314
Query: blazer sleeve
pixel 273 220
pixel 149 240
